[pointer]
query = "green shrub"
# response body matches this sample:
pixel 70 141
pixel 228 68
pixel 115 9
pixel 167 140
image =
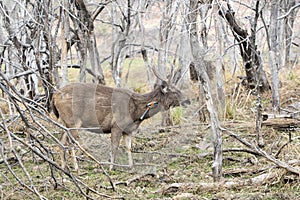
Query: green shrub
pixel 177 115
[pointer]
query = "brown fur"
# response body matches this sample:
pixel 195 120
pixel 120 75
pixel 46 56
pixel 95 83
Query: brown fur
pixel 109 110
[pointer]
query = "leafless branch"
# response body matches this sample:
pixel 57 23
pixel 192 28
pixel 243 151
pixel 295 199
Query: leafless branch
pixel 290 10
pixel 263 153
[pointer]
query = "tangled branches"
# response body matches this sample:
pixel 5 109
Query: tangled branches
pixel 29 144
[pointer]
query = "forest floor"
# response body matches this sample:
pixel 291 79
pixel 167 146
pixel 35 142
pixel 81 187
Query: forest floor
pixel 175 162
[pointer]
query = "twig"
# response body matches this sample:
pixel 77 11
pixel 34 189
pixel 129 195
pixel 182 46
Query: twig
pixel 290 10
pixel 6 130
pixel 27 175
pixel 13 173
pixel 76 181
pixel 285 144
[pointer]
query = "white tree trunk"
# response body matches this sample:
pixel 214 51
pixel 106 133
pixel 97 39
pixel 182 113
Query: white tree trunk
pixel 274 55
pixel 200 66
pixel 166 32
pixel 220 89
pixel 65 33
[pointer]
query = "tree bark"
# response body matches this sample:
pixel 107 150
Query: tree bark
pixel 87 45
pixel 288 25
pixel 273 38
pixel 220 89
pixel 65 33
pixel 255 73
pixel 120 35
pixel 198 56
pixel 166 32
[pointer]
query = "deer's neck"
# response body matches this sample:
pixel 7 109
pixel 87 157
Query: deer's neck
pixel 143 100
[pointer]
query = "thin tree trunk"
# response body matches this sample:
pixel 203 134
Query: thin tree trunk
pixel 274 55
pixel 288 32
pixel 254 70
pixel 140 18
pixel 220 89
pixel 120 37
pixel 203 11
pixel 259 135
pixel 87 46
pixel 198 56
pixel 94 58
pixel 165 38
pixel 184 55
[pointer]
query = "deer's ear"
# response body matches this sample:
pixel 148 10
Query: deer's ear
pixel 164 87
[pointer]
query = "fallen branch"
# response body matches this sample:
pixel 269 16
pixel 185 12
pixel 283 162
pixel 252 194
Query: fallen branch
pixel 250 151
pixel 263 153
pixel 284 145
pixel 239 171
pixel 163 154
pixel 134 179
pixel 216 186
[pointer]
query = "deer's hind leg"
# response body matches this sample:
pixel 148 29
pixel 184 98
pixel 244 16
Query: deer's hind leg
pixel 74 133
pixel 62 152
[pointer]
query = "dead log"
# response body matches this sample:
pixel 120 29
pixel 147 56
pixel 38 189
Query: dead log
pixel 281 121
pixel 261 179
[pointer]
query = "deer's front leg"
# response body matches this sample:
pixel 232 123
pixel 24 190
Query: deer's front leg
pixel 127 138
pixel 116 135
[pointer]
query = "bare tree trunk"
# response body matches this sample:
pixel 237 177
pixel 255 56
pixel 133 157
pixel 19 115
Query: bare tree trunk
pixel 65 37
pixel 165 38
pixel 198 56
pixel 143 49
pixel 288 25
pixel 120 36
pixel 95 59
pixel 254 70
pixel 259 134
pixel 220 89
pixel 184 55
pixel 274 54
pixel 82 54
pixel 203 11
pixel 87 45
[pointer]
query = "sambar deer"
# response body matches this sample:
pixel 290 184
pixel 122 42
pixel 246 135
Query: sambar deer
pixel 110 110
